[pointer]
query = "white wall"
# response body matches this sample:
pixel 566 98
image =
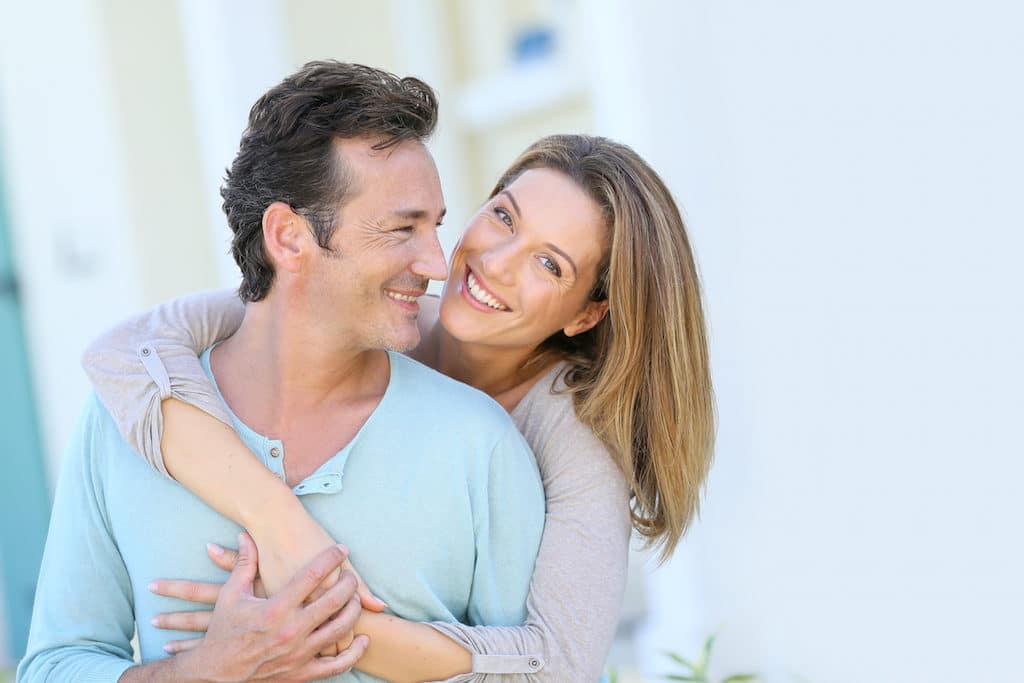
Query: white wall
pixel 852 174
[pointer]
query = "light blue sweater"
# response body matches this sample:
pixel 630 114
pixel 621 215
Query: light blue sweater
pixel 437 497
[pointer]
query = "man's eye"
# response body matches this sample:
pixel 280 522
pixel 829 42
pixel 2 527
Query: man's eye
pixel 551 265
pixel 503 216
pixel 404 228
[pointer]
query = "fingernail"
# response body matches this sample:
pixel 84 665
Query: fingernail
pixel 343 548
pixel 155 621
pixel 152 586
pixel 168 649
pixel 215 549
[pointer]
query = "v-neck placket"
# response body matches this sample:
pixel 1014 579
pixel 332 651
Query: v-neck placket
pixel 326 479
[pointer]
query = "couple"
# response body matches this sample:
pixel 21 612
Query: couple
pixel 572 300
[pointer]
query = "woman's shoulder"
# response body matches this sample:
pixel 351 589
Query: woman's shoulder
pixel 560 440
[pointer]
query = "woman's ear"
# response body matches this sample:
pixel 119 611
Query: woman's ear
pixel 284 235
pixel 591 315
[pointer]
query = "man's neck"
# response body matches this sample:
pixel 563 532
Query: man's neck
pixel 279 369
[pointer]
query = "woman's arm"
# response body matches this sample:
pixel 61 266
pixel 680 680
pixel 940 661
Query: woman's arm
pixel 167 408
pixel 146 370
pixel 575 594
pixel 153 356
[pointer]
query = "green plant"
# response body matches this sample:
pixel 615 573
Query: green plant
pixel 696 671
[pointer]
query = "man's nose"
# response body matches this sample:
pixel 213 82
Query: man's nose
pixel 430 261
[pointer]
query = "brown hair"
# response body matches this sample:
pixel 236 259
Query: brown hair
pixel 286 153
pixel 641 377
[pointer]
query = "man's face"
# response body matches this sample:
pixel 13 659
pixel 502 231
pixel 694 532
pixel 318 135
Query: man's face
pixel 385 247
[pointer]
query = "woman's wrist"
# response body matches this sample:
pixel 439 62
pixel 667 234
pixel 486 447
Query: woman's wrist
pixel 273 513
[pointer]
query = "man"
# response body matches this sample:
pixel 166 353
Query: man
pixel 333 200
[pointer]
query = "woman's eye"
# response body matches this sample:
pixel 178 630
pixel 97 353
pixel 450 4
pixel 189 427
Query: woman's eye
pixel 551 265
pixel 503 216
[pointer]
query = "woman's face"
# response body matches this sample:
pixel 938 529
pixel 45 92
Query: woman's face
pixel 526 264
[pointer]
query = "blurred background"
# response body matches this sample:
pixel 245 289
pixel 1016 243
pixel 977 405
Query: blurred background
pixel 852 176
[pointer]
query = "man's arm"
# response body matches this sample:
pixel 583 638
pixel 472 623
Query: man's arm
pixel 82 622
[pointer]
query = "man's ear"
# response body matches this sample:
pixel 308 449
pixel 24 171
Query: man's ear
pixel 285 236
pixel 591 315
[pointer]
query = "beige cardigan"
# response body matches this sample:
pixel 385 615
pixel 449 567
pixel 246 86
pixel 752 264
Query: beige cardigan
pixel 580 575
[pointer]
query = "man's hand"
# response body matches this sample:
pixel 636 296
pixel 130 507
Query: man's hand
pixel 250 638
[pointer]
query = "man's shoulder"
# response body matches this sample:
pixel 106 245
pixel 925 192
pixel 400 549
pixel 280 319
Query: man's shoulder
pixel 442 393
pixel 95 444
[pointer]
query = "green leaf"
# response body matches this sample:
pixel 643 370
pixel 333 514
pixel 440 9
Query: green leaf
pixel 678 659
pixel 613 676
pixel 705 655
pixel 740 678
pixel 677 677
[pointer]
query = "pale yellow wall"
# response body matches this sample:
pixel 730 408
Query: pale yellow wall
pixel 349 31
pixel 490 153
pixel 159 147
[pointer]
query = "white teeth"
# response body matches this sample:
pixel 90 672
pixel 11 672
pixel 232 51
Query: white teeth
pixel 481 295
pixel 400 297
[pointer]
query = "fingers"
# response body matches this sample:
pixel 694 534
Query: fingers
pixel 198 622
pixel 191 591
pixel 332 601
pixel 324 667
pixel 309 577
pixel 338 629
pixel 244 573
pixel 221 556
pixel 330 650
pixel 369 600
pixel 174 647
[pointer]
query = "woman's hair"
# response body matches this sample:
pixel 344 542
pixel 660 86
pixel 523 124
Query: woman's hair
pixel 640 378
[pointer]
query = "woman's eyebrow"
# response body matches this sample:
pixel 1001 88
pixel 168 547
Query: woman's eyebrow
pixel 515 204
pixel 575 272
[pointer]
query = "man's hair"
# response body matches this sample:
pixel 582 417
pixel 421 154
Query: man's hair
pixel 287 152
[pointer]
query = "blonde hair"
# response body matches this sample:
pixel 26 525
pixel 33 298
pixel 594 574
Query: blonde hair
pixel 640 378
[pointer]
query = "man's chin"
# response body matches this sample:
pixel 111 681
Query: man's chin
pixel 403 343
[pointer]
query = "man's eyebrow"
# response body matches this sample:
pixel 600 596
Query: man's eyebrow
pixel 417 214
pixel 515 204
pixel 561 253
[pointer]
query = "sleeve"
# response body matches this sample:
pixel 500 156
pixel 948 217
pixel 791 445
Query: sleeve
pixel 579 579
pixel 140 362
pixel 83 616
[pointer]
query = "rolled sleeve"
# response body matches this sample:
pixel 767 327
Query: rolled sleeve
pixel 153 356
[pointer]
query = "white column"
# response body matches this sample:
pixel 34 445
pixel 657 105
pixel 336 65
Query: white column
pixel 63 172
pixel 235 51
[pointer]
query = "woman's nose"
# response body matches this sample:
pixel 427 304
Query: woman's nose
pixel 498 262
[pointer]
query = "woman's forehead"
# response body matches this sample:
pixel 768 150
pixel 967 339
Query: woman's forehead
pixel 554 208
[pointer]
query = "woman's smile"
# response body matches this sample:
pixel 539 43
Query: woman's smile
pixel 478 294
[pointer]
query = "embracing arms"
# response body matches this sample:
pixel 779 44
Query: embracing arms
pixel 577 586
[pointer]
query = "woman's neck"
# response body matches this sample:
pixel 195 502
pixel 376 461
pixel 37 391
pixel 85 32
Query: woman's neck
pixel 497 372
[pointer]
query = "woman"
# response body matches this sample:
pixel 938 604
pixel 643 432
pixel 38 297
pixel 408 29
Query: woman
pixel 573 300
